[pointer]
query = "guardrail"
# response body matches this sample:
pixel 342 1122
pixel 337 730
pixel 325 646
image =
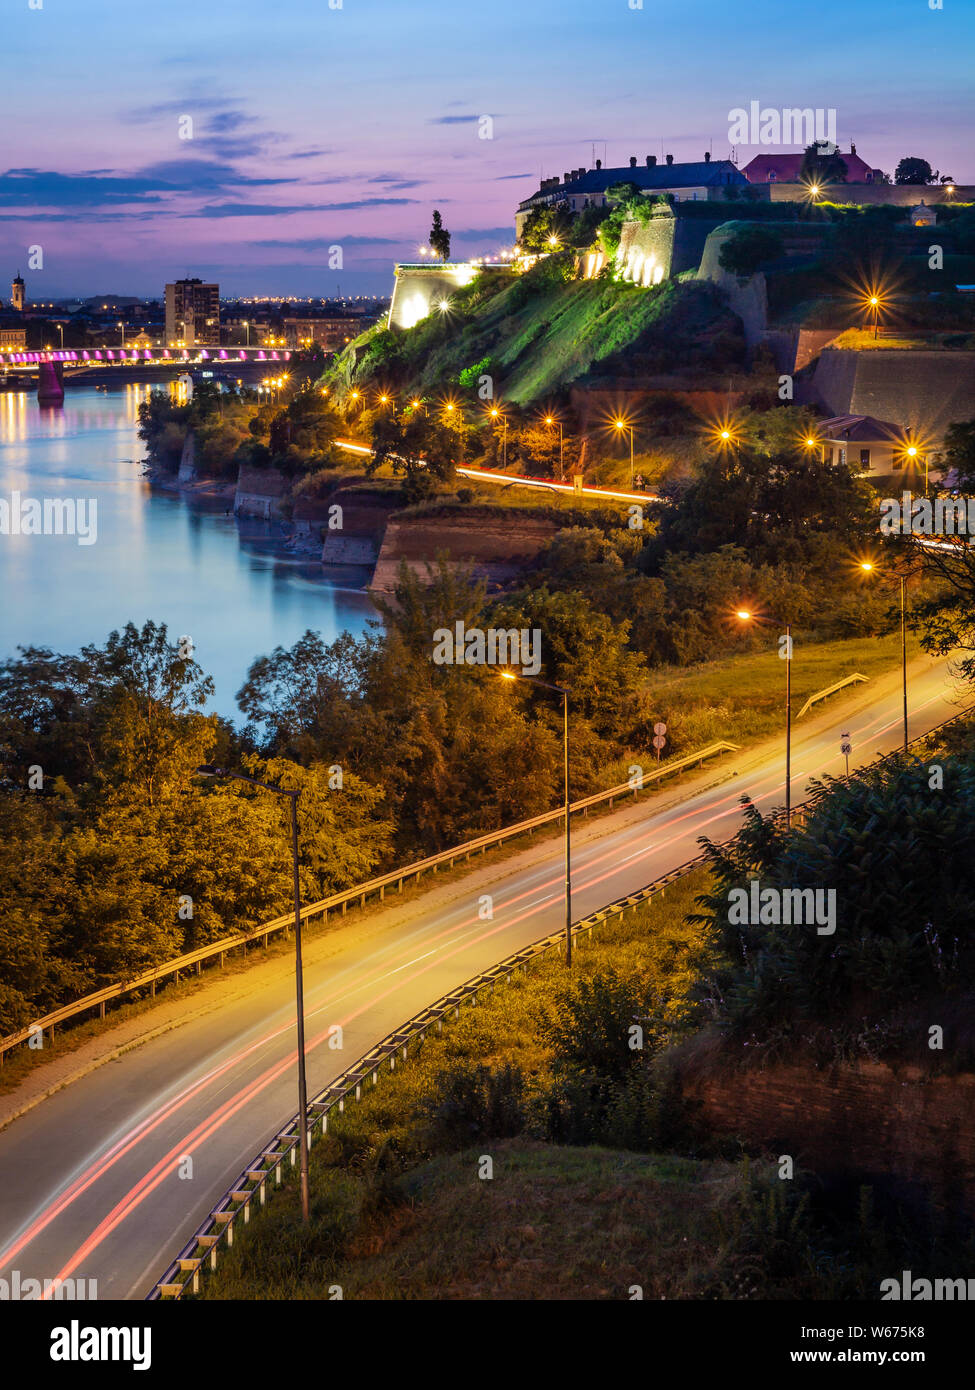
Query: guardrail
pixel 830 690
pixel 254 1182
pixel 252 1185
pixel 219 949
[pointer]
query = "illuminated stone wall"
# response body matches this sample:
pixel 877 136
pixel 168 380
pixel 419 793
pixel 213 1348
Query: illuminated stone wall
pixel 420 289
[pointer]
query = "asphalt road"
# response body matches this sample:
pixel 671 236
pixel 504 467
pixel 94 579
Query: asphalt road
pixel 94 1181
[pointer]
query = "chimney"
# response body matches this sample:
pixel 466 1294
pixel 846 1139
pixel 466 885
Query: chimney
pixel 599 163
pixel 651 161
pixel 632 161
pixel 853 148
pixel 565 177
pixel 707 156
pixel 670 159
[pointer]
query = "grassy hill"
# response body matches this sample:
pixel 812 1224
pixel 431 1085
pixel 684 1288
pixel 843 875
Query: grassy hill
pixel 543 332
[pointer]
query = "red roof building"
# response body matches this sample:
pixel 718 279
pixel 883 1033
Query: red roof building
pixel 784 168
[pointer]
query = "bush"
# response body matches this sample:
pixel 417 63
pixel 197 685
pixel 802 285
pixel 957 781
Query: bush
pixel 469 1102
pixel 748 248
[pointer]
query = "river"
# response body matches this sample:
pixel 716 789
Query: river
pixel 154 555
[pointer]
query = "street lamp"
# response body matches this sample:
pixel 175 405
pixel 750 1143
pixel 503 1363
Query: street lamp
pixel 247 329
pixel 746 616
pixel 560 690
pixel 121 325
pixel 869 567
pixel 494 413
pixel 550 421
pixel 209 770
pixel 625 425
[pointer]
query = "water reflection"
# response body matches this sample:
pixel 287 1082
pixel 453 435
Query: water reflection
pixel 185 563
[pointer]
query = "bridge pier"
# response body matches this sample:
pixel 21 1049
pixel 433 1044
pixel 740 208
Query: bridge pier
pixel 50 383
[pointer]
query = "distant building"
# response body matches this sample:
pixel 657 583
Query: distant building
pixel 192 314
pixel 786 168
pixel 868 444
pixel 332 334
pixel 13 339
pixel 584 188
pixel 922 215
pixel 18 298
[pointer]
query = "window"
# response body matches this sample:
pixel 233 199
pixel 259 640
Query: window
pixel 864 458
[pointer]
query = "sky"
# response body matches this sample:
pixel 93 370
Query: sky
pixel 321 123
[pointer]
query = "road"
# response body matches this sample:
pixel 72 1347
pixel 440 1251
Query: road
pixel 95 1179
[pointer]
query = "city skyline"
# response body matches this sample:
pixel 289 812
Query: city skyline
pixel 151 167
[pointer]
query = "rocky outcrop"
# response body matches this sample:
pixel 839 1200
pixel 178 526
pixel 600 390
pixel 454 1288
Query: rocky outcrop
pixel 187 461
pixel 261 492
pixel 496 545
pixel 353 535
pixel 909 1130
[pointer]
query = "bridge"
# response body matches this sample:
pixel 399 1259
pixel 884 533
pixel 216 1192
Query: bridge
pixel 51 364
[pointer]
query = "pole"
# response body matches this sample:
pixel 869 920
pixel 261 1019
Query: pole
pixel 904 651
pixel 568 860
pixel 561 456
pixel 300 993
pixel 788 726
pixel 631 458
pixel 504 444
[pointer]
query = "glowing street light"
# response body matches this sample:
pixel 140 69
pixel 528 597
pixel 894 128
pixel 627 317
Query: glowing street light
pixel 620 426
pixel 495 413
pixel 551 422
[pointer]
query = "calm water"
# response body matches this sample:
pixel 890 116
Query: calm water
pixel 189 566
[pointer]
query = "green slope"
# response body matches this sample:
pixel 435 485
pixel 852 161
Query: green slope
pixel 542 332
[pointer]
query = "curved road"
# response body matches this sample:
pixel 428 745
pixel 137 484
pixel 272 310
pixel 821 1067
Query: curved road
pixel 95 1179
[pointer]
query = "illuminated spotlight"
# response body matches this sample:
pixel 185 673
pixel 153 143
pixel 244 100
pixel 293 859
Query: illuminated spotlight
pixel 443 305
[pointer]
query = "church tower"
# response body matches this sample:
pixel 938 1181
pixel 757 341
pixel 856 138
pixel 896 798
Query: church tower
pixel 17 298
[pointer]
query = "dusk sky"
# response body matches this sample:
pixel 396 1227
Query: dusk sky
pixel 315 126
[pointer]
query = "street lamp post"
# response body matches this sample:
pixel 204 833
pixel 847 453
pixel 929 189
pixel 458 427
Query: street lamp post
pixel 560 690
pixel 622 425
pixel 868 567
pixel 122 327
pixel 746 617
pixel 495 413
pixel 247 329
pixel 209 770
pixel 550 421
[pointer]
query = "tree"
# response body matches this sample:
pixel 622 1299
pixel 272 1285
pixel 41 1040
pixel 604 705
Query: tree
pixel 419 445
pixel 542 224
pixel 440 237
pixel 822 164
pixel 913 171
pixel 748 248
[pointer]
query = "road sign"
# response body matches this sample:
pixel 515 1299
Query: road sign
pixel 660 728
pixel 846 747
pixel 659 741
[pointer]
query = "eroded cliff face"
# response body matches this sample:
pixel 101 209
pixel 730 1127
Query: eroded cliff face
pixel 910 1130
pixel 496 547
